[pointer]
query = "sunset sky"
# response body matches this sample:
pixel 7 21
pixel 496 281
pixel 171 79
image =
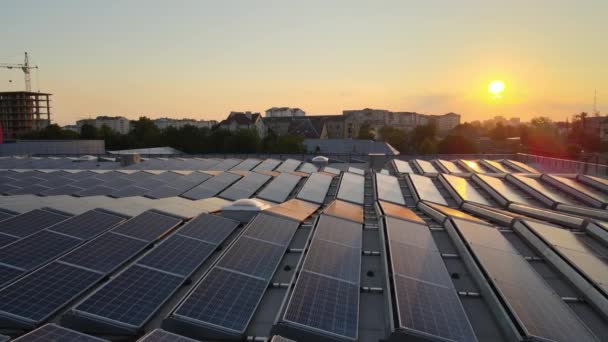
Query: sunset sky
pixel 202 59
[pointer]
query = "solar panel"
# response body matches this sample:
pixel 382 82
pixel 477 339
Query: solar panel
pixel 449 166
pixel 129 191
pixel 88 224
pixel 288 165
pixel 356 170
pixel 224 299
pixel 246 164
pixel 148 226
pixel 334 260
pixel 253 257
pixel 308 168
pixel 267 165
pixel 541 312
pixel 105 253
pixel 119 183
pixel 159 335
pixel 464 189
pixel 226 164
pixel 132 297
pixel 97 190
pixel 43 292
pixel 210 228
pixel 315 189
pixel 325 304
pixel 7 188
pixel 87 183
pixel 30 189
pixel 471 165
pixel 178 254
pixel 279 188
pixel 6 239
pixel 579 190
pixel 9 273
pixel 420 263
pixel 332 170
pixel 339 231
pixel 30 222
pixel 431 309
pixel 494 166
pixel 212 186
pixel 62 190
pixel 271 228
pixel 426 190
pixel 5 215
pixel 425 166
pixel 536 188
pixel 55 333
pixel 245 187
pixel 500 188
pixel 352 188
pixel 389 189
pixel 164 192
pixel 37 249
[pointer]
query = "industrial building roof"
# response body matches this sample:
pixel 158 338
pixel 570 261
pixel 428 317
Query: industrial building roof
pixel 441 250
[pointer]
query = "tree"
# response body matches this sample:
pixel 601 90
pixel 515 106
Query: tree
pixel 499 132
pixel 88 132
pixel 423 137
pixel 456 144
pixel 365 132
pixel 395 137
pixel 145 133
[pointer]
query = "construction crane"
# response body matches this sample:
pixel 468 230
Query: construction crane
pixel 25 67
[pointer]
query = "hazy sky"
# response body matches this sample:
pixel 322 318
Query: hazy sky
pixel 203 59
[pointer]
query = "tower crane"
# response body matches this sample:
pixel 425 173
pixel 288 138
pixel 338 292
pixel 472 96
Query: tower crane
pixel 25 67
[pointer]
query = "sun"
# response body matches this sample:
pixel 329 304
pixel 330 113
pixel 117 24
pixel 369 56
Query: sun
pixel 496 87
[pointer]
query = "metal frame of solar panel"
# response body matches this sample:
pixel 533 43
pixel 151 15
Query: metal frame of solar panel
pixel 352 188
pixel 329 279
pixel 388 189
pixel 245 187
pixel 594 181
pixel 223 303
pixel 212 186
pixel 32 299
pixel 582 262
pixel 583 192
pixel 423 189
pixel 55 333
pixel 431 309
pixel 315 189
pixel 126 303
pixel 48 244
pixel 517 294
pixel 279 188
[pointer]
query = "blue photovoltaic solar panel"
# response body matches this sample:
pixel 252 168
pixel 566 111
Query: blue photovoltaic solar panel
pixel 271 228
pixel 339 231
pixel 37 249
pixel 132 297
pixel 30 222
pixel 6 239
pixel 129 191
pixel 8 273
pixel 159 335
pixel 88 224
pixel 334 260
pixel 98 190
pixel 253 257
pixel 211 228
pixel 325 304
pixel 148 226
pixel 279 188
pixel 351 188
pixel 30 189
pixel 164 192
pixel 245 187
pixel 62 190
pixel 288 165
pixel 224 299
pixel 178 254
pixel 43 292
pixel 267 165
pixel 106 252
pixel 246 165
pixel 315 189
pixel 212 186
pixel 55 333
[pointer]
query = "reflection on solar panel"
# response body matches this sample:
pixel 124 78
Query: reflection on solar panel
pixel 131 297
pixel 540 311
pixel 425 166
pixel 212 186
pixel 136 294
pixel 499 190
pixel 245 187
pixel 471 165
pixel 228 295
pixel 402 166
pixel 577 249
pixel 448 166
pixel 279 188
pixel 30 222
pixel 55 333
pixel 494 165
pixel 581 191
pixel 389 189
pixel 288 165
pixel 267 165
pixel 519 166
pixel 461 189
pixel 425 190
pixel 537 189
pixel 329 280
pixel 159 335
pixel 35 297
pixel 352 188
pixel 315 189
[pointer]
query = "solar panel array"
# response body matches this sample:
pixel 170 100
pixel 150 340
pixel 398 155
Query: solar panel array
pixel 279 188
pixel 500 190
pixel 540 311
pixel 159 335
pixel 402 166
pixel 448 167
pixel 55 333
pixel 389 189
pixel 579 190
pixel 425 190
pixel 245 187
pixel 131 298
pixel 326 295
pixel 246 165
pixel 425 166
pixel 315 189
pixel 352 187
pixel 227 297
pixel 20 226
pixel 267 165
pixel 36 296
pixel 212 186
pixel 288 166
pixel 427 302
pixel 463 189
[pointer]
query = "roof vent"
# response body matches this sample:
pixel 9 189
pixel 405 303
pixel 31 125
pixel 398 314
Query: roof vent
pixel 320 161
pixel 129 159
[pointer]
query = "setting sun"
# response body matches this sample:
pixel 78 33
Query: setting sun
pixel 496 87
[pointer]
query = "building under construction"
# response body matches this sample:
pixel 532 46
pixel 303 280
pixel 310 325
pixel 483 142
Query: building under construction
pixel 23 111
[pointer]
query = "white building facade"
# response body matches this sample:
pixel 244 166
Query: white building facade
pixel 118 124
pixel 284 112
